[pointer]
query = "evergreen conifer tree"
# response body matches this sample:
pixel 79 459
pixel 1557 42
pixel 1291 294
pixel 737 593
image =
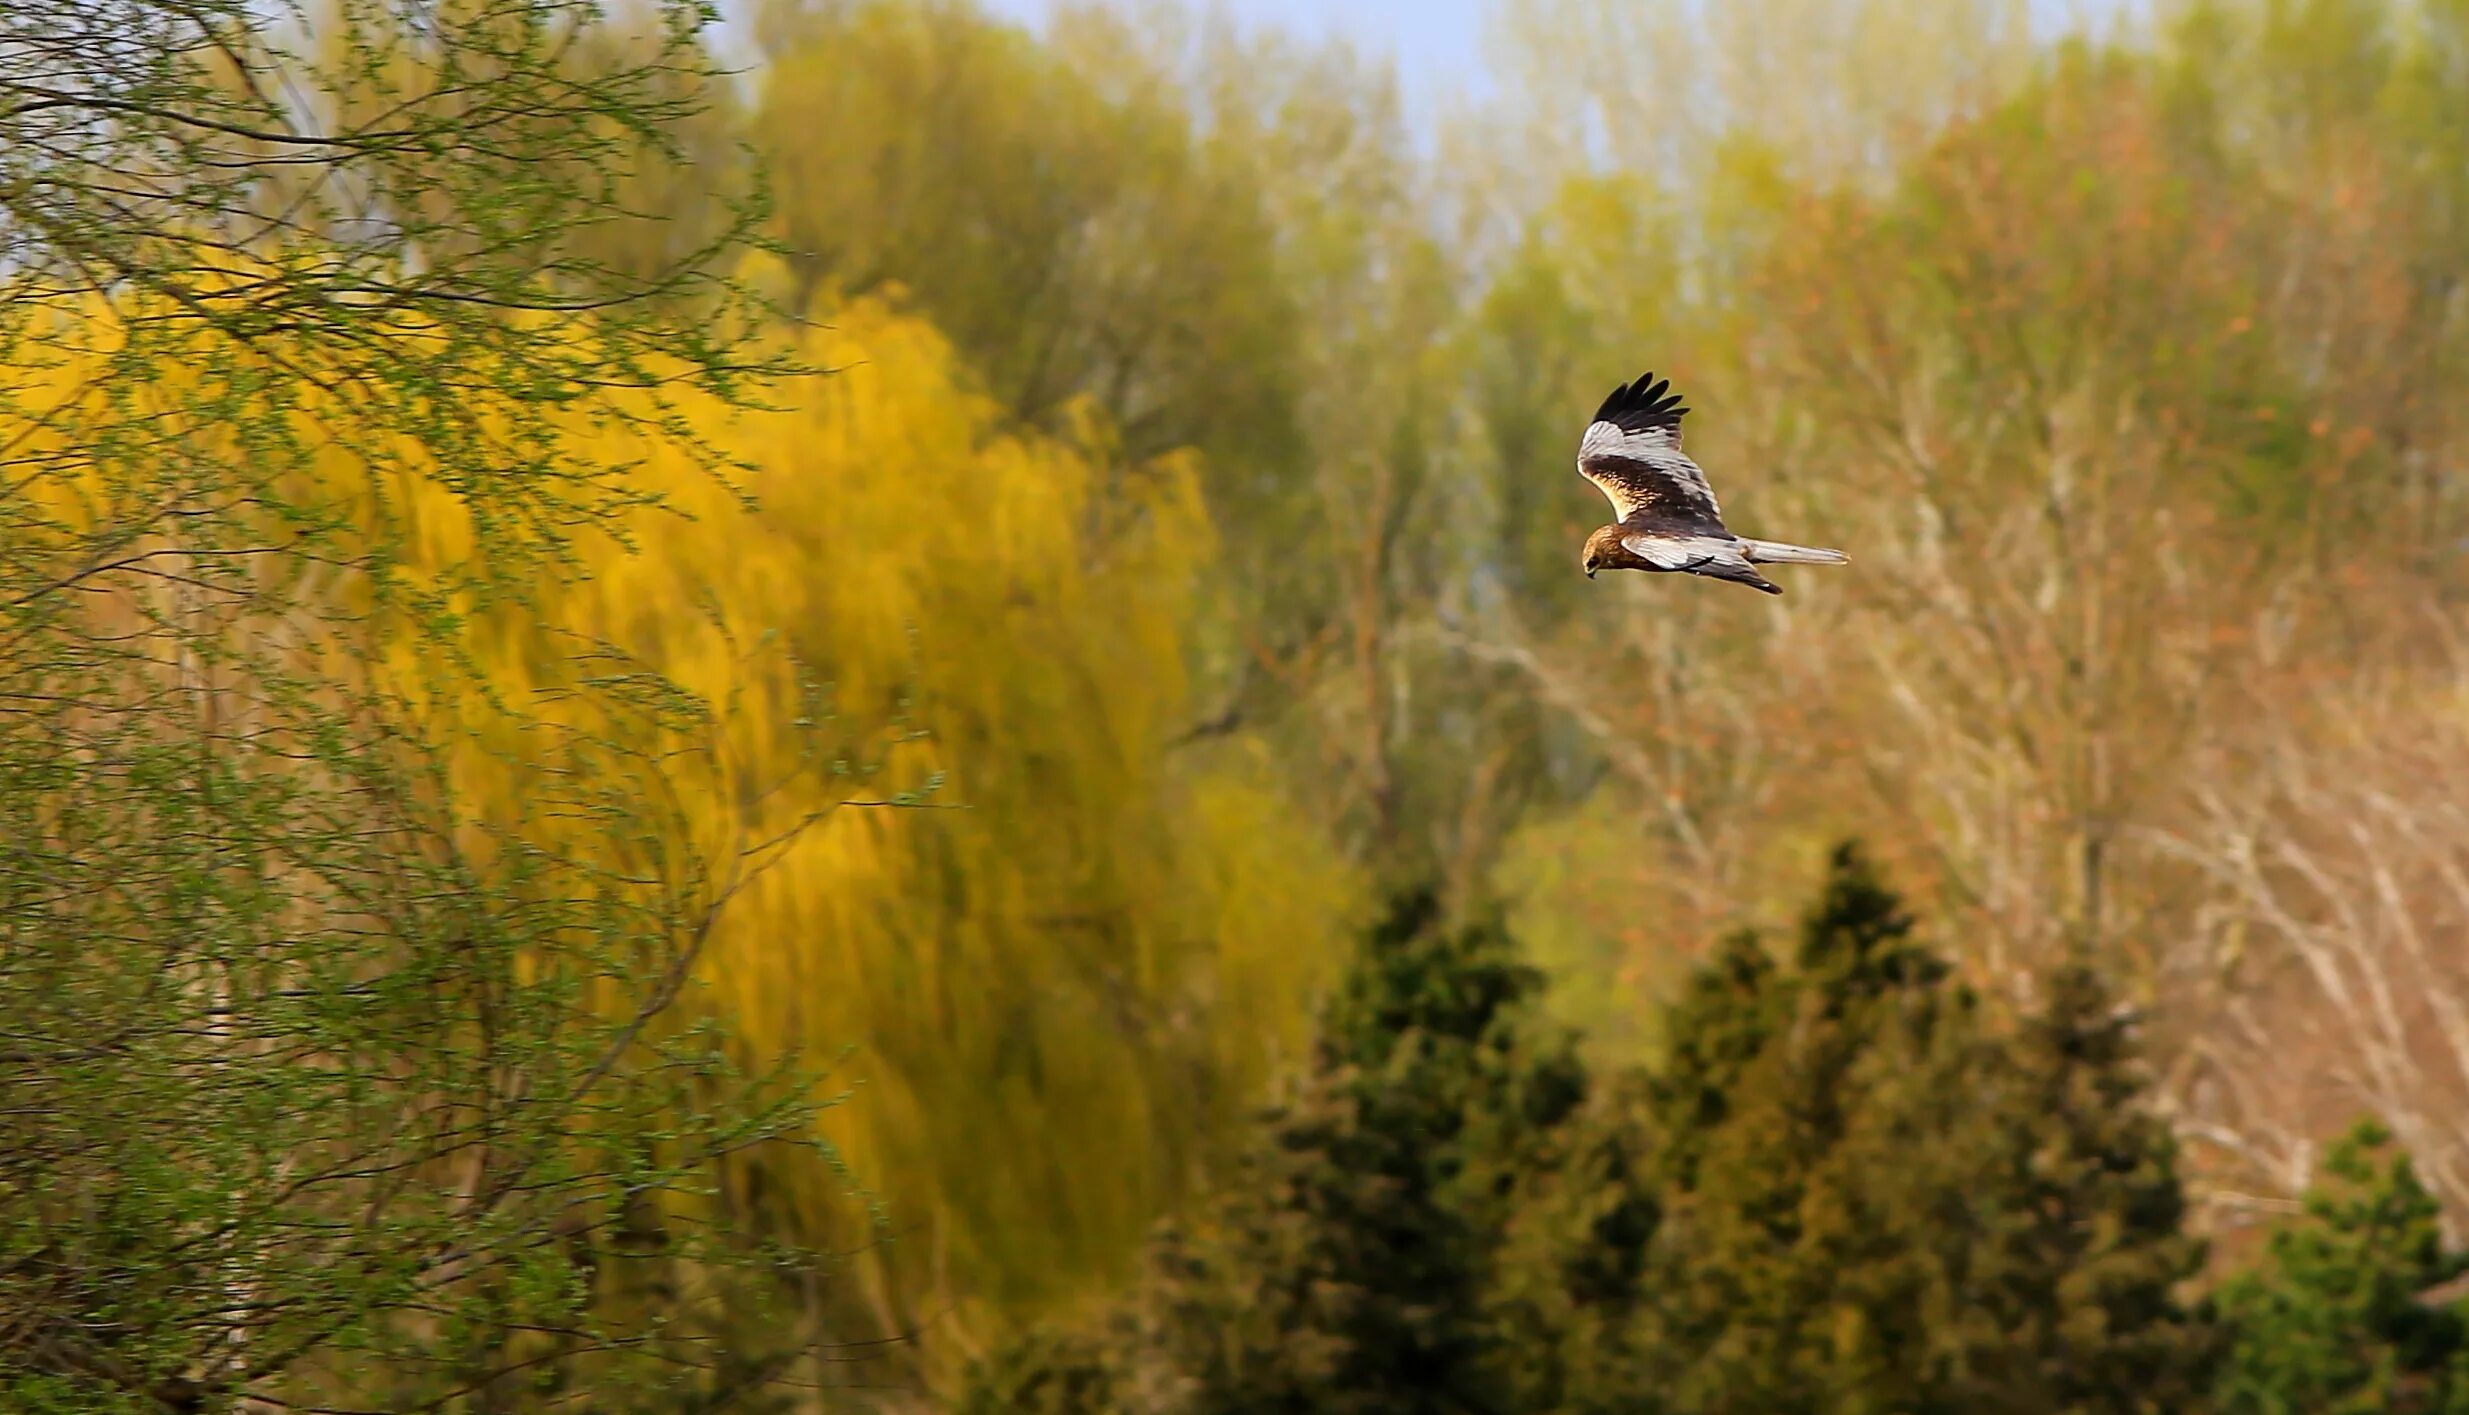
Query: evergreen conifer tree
pixel 1781 1280
pixel 1727 1014
pixel 2065 1250
pixel 2332 1321
pixel 1843 1190
pixel 1343 1268
pixel 1568 1301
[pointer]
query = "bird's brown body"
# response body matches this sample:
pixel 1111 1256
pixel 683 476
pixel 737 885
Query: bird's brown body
pixel 1718 556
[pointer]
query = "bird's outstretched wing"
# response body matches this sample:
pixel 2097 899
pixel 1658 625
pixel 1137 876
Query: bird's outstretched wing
pixel 1632 452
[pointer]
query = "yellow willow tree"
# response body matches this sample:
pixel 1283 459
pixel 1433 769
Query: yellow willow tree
pixel 1060 980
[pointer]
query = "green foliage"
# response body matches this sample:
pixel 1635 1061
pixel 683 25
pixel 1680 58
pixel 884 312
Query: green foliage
pixel 2339 1315
pixel 324 1083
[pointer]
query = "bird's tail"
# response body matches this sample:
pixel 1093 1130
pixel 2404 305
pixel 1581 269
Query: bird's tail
pixel 1770 552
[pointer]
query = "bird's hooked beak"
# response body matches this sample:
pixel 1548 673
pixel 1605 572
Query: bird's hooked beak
pixel 1590 567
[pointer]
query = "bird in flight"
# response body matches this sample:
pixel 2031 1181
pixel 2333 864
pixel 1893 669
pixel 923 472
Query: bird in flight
pixel 1668 516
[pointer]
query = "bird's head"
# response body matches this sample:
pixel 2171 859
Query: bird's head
pixel 1598 550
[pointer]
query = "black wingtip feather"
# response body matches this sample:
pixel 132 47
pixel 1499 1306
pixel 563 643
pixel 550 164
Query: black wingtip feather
pixel 1647 403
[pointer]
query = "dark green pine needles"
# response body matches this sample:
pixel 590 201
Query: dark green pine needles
pixel 2337 1318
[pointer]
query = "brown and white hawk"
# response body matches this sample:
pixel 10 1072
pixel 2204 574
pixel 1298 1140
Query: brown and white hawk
pixel 1668 516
